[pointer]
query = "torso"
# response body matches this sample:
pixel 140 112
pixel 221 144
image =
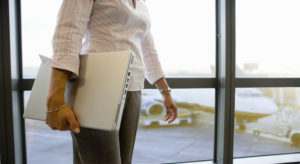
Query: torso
pixel 117 25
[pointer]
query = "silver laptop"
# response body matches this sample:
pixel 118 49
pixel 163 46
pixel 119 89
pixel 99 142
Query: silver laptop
pixel 97 96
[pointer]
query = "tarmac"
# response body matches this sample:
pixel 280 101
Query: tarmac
pixel 155 144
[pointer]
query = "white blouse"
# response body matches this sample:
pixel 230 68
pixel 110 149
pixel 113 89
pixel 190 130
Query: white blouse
pixel 88 26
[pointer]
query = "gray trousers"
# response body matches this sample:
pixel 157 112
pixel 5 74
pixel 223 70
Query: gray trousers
pixel 92 146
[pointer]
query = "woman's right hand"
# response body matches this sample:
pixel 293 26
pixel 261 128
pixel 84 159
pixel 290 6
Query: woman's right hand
pixel 63 119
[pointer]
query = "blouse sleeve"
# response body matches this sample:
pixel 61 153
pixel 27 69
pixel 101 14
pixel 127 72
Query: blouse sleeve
pixel 152 64
pixel 71 25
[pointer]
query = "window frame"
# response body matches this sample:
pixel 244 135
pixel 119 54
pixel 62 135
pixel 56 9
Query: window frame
pixel 224 84
pixel 12 129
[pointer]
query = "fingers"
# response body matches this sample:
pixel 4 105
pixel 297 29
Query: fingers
pixel 174 113
pixel 66 121
pixel 52 126
pixel 168 115
pixel 50 123
pixel 74 126
pixel 171 113
pixel 59 126
pixel 63 127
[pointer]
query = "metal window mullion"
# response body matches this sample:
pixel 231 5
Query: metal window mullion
pixel 6 130
pixel 225 78
pixel 20 74
pixel 16 75
pixel 10 133
pixel 185 83
pixel 175 83
pixel 267 82
pixel 217 26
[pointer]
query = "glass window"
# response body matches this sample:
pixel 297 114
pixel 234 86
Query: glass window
pixel 45 145
pixel 181 35
pixel 38 23
pixel 189 138
pixel 267 37
pixel 184 35
pixel 266 121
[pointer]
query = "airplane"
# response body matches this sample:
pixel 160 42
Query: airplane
pixel 250 106
pixel 254 107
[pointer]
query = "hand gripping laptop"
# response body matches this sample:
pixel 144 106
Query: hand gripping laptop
pixel 97 95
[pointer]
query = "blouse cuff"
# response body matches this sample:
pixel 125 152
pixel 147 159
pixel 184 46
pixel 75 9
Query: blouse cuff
pixel 74 69
pixel 152 78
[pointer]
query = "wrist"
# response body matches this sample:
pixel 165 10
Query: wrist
pixel 55 101
pixel 167 89
pixel 49 111
pixel 166 94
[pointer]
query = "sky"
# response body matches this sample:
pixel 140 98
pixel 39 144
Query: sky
pixel 267 33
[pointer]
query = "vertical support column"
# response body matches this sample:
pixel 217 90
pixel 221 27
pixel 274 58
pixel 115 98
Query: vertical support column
pixel 225 91
pixel 11 106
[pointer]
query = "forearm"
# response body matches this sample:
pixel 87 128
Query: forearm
pixel 57 86
pixel 162 84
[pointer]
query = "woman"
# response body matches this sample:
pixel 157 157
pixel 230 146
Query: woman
pixel 105 25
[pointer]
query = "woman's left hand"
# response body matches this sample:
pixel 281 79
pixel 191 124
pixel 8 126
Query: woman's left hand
pixel 171 108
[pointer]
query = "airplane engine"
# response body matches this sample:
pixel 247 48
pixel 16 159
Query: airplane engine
pixel 152 108
pixel 295 139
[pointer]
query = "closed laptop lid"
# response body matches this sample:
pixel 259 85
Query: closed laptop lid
pixel 96 96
